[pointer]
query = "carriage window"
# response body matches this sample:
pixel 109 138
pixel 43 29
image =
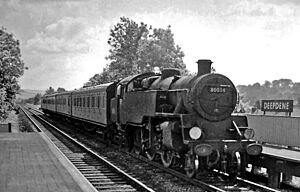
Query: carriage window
pixel 98 98
pixel 93 101
pixel 103 101
pixel 83 104
pixel 88 101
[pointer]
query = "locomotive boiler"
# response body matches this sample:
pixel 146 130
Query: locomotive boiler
pixel 184 119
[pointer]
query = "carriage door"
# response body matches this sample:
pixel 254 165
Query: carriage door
pixel 69 105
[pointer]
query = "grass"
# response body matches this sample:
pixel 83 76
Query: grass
pixel 24 124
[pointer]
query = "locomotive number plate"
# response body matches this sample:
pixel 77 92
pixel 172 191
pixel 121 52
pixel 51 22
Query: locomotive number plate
pixel 214 89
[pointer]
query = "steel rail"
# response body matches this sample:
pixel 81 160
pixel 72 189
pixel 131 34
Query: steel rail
pixel 249 182
pixel 195 182
pixel 103 159
pixel 31 120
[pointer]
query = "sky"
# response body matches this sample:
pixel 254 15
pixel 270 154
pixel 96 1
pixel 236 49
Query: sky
pixel 64 43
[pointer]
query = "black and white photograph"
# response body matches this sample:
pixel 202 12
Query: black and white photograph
pixel 152 96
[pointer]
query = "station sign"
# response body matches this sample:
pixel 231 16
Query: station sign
pixel 277 105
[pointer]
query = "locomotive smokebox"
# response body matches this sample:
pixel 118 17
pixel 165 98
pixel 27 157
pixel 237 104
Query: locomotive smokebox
pixel 204 66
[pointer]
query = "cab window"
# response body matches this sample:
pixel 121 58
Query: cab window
pixel 119 90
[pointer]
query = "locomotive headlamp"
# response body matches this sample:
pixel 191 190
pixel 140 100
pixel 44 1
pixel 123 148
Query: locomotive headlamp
pixel 249 133
pixel 195 133
pixel 254 149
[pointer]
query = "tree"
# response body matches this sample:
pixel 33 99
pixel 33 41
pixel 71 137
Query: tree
pixel 256 85
pixel 60 89
pixel 50 91
pixel 159 50
pixel 267 84
pixel 100 78
pixel 137 48
pixel 257 104
pixel 124 41
pixel 285 83
pixel 276 84
pixel 11 68
pixel 37 99
pixel 296 87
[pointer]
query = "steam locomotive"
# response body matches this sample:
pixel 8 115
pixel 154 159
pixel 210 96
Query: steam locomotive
pixel 184 120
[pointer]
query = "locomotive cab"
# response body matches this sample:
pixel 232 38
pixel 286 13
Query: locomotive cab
pixel 129 96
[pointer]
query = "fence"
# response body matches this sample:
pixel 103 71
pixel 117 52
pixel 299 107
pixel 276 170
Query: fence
pixel 280 130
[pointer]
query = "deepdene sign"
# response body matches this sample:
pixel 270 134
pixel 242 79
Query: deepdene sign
pixel 277 105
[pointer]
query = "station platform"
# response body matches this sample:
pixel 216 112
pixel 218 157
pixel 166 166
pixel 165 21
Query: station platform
pixel 282 153
pixel 30 162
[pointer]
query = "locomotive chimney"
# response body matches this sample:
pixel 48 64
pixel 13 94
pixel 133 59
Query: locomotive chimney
pixel 204 66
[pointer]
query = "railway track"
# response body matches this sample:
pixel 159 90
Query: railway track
pixel 216 182
pixel 101 173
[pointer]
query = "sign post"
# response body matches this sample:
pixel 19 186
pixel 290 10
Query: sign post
pixel 277 106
